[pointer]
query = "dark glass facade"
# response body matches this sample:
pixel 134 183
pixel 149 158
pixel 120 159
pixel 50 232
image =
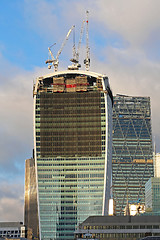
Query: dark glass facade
pixel 73 148
pixel 70 124
pixel 132 157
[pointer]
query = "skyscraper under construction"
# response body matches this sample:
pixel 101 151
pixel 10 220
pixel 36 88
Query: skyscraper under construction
pixel 73 149
pixel 132 160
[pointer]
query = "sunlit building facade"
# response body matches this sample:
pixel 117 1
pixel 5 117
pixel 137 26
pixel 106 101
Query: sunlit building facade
pixel 73 149
pixel 132 157
pixel 30 200
pixel 152 195
pixel 156 158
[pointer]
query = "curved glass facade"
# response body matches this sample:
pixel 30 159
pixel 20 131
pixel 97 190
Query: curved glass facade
pixel 73 132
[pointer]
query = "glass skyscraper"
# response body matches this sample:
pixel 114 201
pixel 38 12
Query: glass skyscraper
pixel 30 203
pixel 132 157
pixel 73 149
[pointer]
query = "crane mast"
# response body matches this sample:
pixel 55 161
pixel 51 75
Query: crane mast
pixel 87 60
pixel 64 42
pixel 80 40
pixel 75 59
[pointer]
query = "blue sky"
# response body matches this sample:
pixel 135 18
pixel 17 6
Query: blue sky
pixel 21 45
pixel 124 41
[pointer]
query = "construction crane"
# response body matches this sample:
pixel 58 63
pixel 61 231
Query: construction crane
pixel 54 61
pixel 75 59
pixel 80 40
pixel 87 60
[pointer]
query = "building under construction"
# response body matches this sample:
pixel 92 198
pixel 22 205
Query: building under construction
pixel 73 148
pixel 72 144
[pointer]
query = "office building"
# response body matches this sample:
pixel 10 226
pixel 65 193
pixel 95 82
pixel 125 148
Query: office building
pixel 13 230
pixel 73 149
pixel 152 195
pixel 156 158
pixel 118 227
pixel 132 157
pixel 30 201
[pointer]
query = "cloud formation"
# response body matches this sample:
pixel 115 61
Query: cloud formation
pixel 16 114
pixel 133 20
pixel 11 202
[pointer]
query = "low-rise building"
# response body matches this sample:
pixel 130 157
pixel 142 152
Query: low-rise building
pixel 118 227
pixel 12 230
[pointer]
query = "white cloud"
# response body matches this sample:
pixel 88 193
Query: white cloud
pixel 11 209
pixel 16 111
pixel 16 115
pixel 134 20
pixel 11 201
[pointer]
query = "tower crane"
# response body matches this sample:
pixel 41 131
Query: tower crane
pixel 87 60
pixel 80 40
pixel 54 61
pixel 75 59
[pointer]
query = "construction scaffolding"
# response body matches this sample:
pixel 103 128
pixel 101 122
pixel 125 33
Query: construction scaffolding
pixel 58 84
pixel 81 83
pixel 71 85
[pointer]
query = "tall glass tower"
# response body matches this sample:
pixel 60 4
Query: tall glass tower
pixel 30 201
pixel 132 156
pixel 73 149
